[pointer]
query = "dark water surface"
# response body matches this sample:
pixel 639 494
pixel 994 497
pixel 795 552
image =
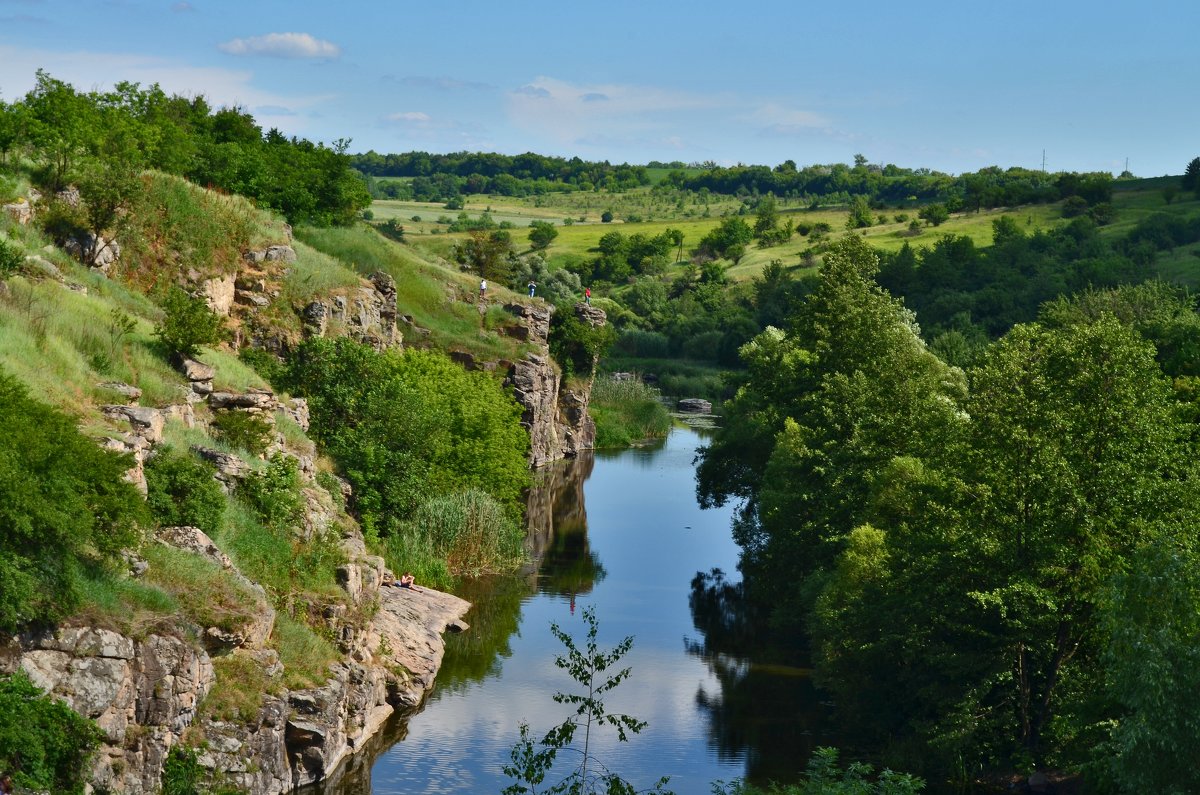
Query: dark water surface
pixel 621 533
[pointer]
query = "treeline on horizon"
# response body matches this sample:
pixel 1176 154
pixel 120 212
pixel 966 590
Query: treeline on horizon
pixel 441 177
pixel 99 139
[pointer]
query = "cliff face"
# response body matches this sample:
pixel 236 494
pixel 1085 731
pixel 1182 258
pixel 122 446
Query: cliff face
pixel 556 417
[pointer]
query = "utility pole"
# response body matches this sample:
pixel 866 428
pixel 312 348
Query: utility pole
pixel 1043 161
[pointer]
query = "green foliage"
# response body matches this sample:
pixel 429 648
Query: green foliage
pixel 860 213
pixel 576 344
pixel 187 324
pixel 470 531
pixel 1191 175
pixel 642 344
pixel 728 240
pixel 64 506
pixel 265 363
pixel 627 411
pixel 404 425
pixel 274 493
pixel 542 234
pixel 243 430
pixel 591 668
pixel 825 776
pixel 181 490
pixel 1151 623
pixel 934 214
pixel 487 254
pixel 11 259
pixel 44 744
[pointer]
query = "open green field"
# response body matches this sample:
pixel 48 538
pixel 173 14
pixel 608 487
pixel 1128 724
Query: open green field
pixel 1134 200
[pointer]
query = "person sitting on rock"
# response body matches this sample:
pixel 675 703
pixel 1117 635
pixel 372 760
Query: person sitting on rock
pixel 406 581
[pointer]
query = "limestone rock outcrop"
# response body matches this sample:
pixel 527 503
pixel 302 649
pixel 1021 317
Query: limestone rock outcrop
pixel 142 693
pixel 367 314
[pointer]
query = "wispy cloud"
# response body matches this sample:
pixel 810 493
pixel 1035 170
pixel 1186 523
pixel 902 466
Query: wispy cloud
pixel 414 116
pixel 602 114
pixel 780 121
pixel 282 45
pixel 441 83
pixel 182 7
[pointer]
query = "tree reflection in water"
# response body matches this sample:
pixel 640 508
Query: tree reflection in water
pixel 767 710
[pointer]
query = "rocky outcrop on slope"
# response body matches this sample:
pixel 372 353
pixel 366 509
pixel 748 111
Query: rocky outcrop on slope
pixel 367 314
pixel 143 693
pixel 556 417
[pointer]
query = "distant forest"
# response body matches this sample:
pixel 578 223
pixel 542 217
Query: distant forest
pixel 434 177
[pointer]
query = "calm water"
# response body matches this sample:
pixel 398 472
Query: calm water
pixel 622 534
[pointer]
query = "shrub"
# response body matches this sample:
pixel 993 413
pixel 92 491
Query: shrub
pixel 1074 206
pixel 575 344
pixel 243 430
pixel 703 346
pixel 404 425
pixel 43 742
pixel 11 259
pixel 265 363
pixel 274 493
pixel 64 507
pixel 181 491
pixel 187 324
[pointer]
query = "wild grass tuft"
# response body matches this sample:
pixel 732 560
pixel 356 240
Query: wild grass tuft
pixel 627 411
pixel 206 594
pixel 306 656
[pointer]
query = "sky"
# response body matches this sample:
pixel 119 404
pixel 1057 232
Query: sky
pixel 952 86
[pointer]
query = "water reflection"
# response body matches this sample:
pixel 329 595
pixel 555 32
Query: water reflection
pixel 766 709
pixel 631 550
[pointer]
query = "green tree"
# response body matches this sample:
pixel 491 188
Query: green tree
pixel 65 507
pixel 1191 175
pixel 591 668
pixel 181 490
pixel 187 324
pixel 542 234
pixel 44 744
pixel 404 425
pixel 62 125
pixel 860 213
pixel 487 253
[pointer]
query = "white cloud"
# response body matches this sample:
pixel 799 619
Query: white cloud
pixel 777 120
pixel 182 7
pixel 414 116
pixel 282 45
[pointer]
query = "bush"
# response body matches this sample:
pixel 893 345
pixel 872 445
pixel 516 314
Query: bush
pixel 11 259
pixel 243 430
pixel 575 344
pixel 704 346
pixel 64 507
pixel 43 742
pixel 181 491
pixel 274 493
pixel 265 363
pixel 187 324
pixel 405 425
pixel 1074 206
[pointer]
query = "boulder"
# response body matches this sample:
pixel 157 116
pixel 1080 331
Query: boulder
pixel 695 406
pixel 219 293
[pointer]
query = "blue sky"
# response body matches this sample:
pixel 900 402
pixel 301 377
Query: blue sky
pixel 953 86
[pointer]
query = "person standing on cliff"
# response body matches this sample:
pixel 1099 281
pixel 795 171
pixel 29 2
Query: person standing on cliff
pixel 532 287
pixel 482 288
pixel 587 296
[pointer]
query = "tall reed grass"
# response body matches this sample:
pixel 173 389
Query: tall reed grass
pixel 627 411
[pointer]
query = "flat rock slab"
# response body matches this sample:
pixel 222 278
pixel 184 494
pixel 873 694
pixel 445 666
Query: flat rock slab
pixel 410 624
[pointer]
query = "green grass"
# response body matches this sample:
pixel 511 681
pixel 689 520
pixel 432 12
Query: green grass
pixel 435 293
pixel 238 692
pixel 306 656
pixel 677 378
pixel 203 591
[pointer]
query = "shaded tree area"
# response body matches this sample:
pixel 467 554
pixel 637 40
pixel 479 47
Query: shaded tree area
pixel 94 138
pixel 974 558
pixel 958 288
pixel 440 177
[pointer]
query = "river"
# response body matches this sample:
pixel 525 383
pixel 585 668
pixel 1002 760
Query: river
pixel 620 533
